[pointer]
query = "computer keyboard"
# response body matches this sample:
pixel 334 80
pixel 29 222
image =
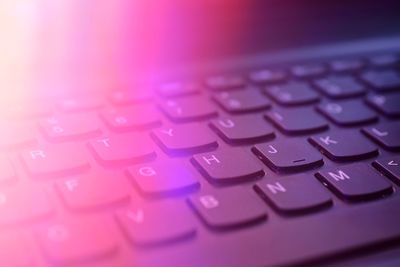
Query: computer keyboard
pixel 269 167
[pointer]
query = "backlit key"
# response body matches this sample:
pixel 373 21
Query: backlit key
pixel 382 81
pixel 79 103
pixel 122 149
pixel 385 134
pixel 184 139
pixel 240 129
pixel 225 82
pixel 344 146
pixel 132 118
pixel 292 93
pixel 190 108
pixel 55 160
pixel 178 89
pixel 347 113
pixel 77 240
pixel 355 182
pixel 157 223
pixel 242 101
pixel 21 204
pixel 162 179
pixel 228 166
pixel 93 190
pixel 70 127
pixel 297 121
pixel 228 208
pixel 387 104
pixel 294 194
pixel 390 166
pixel 288 155
pixel 340 86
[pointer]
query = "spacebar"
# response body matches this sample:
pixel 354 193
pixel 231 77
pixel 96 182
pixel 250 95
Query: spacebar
pixel 334 233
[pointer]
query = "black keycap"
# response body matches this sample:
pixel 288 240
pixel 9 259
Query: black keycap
pixel 384 60
pixel 342 86
pixel 156 223
pixel 162 179
pixel 228 208
pixel 240 129
pixel 354 182
pixel 135 117
pixel 297 121
pixel 225 82
pixel 288 155
pixel 346 65
pixel 187 109
pixel 344 146
pixel 386 135
pixel 178 89
pixel 387 104
pixel 308 70
pixel 242 101
pixel 292 93
pixel 347 113
pixel 122 149
pixel 228 165
pixel 294 194
pixel 390 166
pixel 184 139
pixel 265 76
pixel 382 81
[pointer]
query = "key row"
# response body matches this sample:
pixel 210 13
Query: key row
pixel 224 209
pixel 291 155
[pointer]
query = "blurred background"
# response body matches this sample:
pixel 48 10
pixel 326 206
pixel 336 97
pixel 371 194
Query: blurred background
pixel 70 44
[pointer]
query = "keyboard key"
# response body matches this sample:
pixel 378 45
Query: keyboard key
pixel 7 172
pixel 385 134
pixel 343 86
pixel 382 81
pixel 178 89
pixel 94 190
pixel 55 160
pixel 16 135
pixel 265 76
pixel 75 241
pixel 384 60
pixel 292 93
pixel 136 117
pixel 308 70
pixel 242 101
pixel 228 208
pixel 184 139
pixel 390 166
pixel 188 109
pixel 225 82
pixel 133 96
pixel 288 155
pixel 122 149
pixel 157 223
pixel 347 113
pixel 346 65
pixel 354 182
pixel 387 104
pixel 292 121
pixel 228 166
pixel 163 179
pixel 294 194
pixel 16 250
pixel 344 146
pixel 70 127
pixel 23 204
pixel 240 129
pixel 80 103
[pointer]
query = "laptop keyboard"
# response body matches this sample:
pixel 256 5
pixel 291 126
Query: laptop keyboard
pixel 275 166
